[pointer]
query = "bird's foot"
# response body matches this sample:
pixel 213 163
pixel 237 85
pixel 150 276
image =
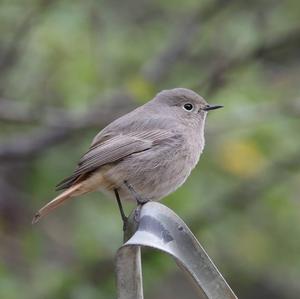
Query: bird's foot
pixel 137 213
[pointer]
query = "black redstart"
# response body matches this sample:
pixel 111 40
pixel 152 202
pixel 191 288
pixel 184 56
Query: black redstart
pixel 143 155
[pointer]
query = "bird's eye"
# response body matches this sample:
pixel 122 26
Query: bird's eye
pixel 188 107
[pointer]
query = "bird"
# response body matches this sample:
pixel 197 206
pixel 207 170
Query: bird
pixel 144 155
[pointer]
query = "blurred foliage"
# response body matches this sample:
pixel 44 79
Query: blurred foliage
pixel 69 67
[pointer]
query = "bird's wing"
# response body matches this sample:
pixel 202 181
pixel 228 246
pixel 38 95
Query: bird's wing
pixel 110 149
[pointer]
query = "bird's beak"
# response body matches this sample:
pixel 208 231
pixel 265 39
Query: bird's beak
pixel 212 107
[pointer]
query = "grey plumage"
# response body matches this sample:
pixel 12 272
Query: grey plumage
pixel 154 148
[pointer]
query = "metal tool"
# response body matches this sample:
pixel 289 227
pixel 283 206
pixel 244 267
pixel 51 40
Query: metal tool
pixel 156 226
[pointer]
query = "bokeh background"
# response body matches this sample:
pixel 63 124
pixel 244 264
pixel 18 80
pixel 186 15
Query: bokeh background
pixel 67 68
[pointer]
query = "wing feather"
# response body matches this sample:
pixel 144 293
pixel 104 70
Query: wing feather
pixel 113 149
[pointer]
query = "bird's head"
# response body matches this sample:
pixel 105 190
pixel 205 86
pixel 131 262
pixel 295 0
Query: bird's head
pixel 184 104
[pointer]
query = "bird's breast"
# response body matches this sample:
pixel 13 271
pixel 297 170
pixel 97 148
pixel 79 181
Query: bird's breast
pixel 157 172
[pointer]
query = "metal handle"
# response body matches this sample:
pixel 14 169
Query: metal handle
pixel 160 228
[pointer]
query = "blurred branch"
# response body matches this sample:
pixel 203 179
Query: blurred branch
pixel 61 126
pixel 16 112
pixel 257 114
pixel 28 146
pixel 158 68
pixel 52 117
pixel 280 48
pixel 9 56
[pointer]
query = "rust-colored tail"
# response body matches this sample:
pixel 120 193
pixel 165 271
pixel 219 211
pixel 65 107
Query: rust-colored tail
pixel 57 201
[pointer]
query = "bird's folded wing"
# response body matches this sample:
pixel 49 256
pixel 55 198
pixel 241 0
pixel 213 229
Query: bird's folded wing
pixel 114 148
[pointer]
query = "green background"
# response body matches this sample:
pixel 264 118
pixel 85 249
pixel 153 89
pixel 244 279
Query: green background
pixel 68 68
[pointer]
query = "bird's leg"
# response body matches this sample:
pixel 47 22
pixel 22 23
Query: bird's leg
pixel 140 201
pixel 137 197
pixel 123 216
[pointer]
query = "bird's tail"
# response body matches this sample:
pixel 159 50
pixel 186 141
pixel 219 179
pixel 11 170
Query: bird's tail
pixel 57 201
